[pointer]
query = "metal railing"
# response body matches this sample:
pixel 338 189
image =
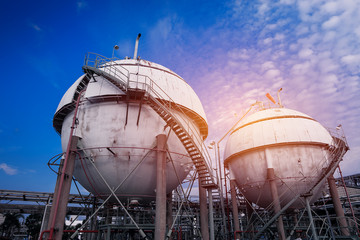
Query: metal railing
pixel 131 81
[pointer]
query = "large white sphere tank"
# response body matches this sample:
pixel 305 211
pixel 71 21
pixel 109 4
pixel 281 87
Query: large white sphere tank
pixel 292 143
pixel 118 133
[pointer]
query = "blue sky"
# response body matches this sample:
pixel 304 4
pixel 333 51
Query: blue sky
pixel 231 52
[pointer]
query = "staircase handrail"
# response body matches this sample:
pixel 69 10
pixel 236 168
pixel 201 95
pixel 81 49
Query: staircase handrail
pixel 107 65
pixel 198 142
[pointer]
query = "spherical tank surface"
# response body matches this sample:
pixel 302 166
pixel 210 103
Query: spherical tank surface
pixel 118 134
pixel 291 143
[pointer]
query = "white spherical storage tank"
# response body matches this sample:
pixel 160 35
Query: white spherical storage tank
pixel 292 143
pixel 117 127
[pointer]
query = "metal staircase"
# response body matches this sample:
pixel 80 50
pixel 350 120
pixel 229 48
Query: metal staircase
pixel 161 103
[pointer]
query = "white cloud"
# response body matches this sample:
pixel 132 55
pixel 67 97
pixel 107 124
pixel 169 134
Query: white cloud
pixel 272 73
pixel 331 7
pixel 267 41
pixel 7 169
pixel 332 22
pixel 305 53
pixel 317 65
pixel 35 27
pixel 81 4
pixel 267 65
pixel 279 37
pixel 263 8
pixel 351 59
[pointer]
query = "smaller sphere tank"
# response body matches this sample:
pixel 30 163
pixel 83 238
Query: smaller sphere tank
pixel 292 143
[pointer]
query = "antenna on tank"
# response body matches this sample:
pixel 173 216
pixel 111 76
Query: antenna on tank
pixel 136 45
pixel 270 98
pixel 279 99
pixel 273 100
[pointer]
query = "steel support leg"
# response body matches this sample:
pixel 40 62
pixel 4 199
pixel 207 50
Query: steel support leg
pixel 211 215
pixel 235 209
pixel 160 218
pixel 277 206
pixel 315 236
pixel 204 218
pixel 337 206
pixel 62 191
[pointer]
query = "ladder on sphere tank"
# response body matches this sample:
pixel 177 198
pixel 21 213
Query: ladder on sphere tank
pixel 155 98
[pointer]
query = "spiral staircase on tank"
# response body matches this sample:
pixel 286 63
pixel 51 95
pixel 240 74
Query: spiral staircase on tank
pixel 148 91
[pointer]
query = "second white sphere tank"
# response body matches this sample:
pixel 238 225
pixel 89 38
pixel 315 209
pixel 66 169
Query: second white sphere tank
pixel 292 143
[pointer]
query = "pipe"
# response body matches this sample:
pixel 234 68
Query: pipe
pixel 136 45
pixel 211 214
pixel 68 231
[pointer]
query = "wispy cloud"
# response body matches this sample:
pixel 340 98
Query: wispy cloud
pixel 81 4
pixel 309 48
pixel 35 27
pixel 8 169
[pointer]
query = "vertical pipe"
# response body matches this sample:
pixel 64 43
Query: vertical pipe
pixel 277 206
pixel 217 155
pixel 108 222
pixel 211 214
pixel 347 196
pixel 46 216
pixel 337 206
pixel 249 213
pixel 235 209
pixel 160 218
pixel 315 237
pixel 169 216
pixel 204 218
pixel 136 45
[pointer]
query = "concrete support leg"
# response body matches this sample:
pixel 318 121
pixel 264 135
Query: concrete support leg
pixel 169 213
pixel 277 206
pixel 235 210
pixel 62 191
pixel 337 206
pixel 160 218
pixel 204 219
pixel 211 214
pixel 315 236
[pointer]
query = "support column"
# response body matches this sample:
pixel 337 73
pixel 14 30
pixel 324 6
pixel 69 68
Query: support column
pixel 235 210
pixel 62 191
pixel 337 206
pixel 160 218
pixel 204 218
pixel 277 206
pixel 211 214
pixel 315 237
